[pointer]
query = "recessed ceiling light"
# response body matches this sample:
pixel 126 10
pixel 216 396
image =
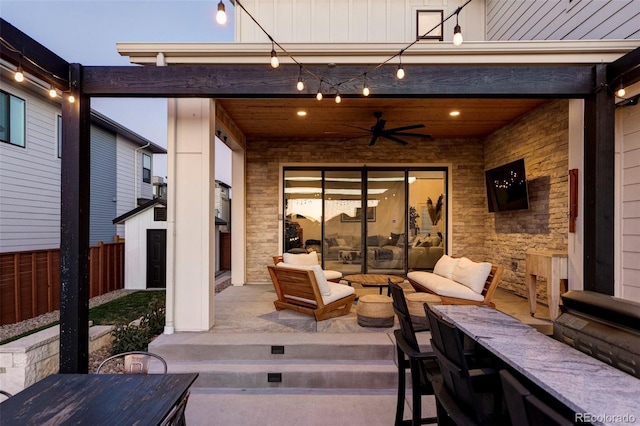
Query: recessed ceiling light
pixel 454 113
pixel 302 113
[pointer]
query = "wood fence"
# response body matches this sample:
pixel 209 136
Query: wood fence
pixel 30 280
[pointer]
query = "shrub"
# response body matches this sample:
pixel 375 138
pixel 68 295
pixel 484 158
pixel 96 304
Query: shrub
pixel 136 337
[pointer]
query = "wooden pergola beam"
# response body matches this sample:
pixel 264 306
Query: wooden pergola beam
pixel 51 67
pixel 625 71
pixel 241 81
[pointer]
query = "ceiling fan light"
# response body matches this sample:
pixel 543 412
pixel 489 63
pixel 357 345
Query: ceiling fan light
pixel 454 113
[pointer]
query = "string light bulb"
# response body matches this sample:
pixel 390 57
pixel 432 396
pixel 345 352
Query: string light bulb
pixel 457 32
pixel 275 63
pixel 338 98
pixel 319 92
pixel 300 84
pixel 221 14
pixel 71 99
pixel 19 75
pixel 52 92
pixel 621 92
pixel 400 72
pixel 365 87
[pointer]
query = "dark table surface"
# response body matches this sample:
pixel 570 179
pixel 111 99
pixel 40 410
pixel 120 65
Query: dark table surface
pixel 97 399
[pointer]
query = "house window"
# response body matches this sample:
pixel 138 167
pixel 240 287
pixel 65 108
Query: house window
pixel 59 136
pixel 429 25
pixel 146 168
pixel 12 119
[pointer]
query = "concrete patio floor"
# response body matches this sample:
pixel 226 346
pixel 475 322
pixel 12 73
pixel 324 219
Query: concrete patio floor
pixel 249 309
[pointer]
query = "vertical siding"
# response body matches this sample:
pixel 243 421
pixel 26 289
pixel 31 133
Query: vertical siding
pixel 125 180
pixel 562 20
pixel 349 21
pixel 630 227
pixel 103 186
pixel 30 180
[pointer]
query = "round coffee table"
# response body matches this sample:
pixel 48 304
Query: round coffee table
pixel 373 280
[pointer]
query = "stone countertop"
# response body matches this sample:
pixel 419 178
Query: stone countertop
pixel 582 383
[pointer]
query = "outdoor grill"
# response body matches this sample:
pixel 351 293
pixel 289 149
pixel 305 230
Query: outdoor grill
pixel 605 327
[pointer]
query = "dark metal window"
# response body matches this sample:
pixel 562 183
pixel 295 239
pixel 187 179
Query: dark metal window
pixel 429 25
pixel 146 168
pixel 12 119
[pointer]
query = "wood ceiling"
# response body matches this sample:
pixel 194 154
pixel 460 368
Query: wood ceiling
pixel 277 118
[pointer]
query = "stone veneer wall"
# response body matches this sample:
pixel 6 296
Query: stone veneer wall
pixel 32 358
pixel 264 158
pixel 541 138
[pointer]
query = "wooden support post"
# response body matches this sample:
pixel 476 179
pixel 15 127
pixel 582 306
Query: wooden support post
pixel 74 230
pixel 599 149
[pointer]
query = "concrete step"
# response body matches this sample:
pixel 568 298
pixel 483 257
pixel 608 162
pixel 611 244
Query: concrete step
pixel 274 346
pixel 282 360
pixel 298 374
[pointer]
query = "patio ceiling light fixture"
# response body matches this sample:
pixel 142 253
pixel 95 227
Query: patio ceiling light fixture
pixel 221 14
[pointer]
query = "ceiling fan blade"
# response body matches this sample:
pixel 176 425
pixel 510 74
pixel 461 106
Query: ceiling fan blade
pixel 374 138
pixel 393 138
pixel 399 129
pixel 420 135
pixel 356 127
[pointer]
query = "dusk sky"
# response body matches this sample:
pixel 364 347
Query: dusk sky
pixel 86 32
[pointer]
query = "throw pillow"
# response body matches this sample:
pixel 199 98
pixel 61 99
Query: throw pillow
pixel 372 241
pixel 472 274
pixel 393 241
pixel 445 266
pixel 310 258
pixel 341 242
pixel 323 285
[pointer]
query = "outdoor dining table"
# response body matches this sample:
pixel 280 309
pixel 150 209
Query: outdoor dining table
pixel 596 392
pixel 97 399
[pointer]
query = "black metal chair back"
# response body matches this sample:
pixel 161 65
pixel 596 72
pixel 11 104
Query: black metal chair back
pixel 526 409
pixel 446 342
pixel 422 365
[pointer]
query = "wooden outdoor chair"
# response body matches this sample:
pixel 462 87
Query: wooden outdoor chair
pixel 490 286
pixel 298 290
pixel 334 276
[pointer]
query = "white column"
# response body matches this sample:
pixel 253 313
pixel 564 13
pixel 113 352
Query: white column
pixel 238 220
pixel 191 215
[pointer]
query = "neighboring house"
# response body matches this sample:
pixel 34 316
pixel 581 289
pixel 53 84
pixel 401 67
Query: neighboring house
pixel 30 151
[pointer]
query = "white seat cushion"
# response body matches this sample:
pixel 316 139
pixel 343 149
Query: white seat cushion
pixel 332 275
pixel 338 291
pixel 443 286
pixel 310 258
pixel 472 274
pixel 323 285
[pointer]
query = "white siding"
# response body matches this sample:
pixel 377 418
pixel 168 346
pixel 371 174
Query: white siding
pixel 630 227
pixel 125 180
pixel 30 180
pixel 562 20
pixel 135 256
pixel 103 186
pixel 350 21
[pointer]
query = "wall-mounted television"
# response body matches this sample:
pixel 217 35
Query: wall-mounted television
pixel 507 187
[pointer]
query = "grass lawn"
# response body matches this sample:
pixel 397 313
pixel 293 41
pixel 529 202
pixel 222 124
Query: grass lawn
pixel 119 311
pixel 125 309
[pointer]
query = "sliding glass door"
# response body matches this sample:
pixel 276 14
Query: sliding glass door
pixel 367 220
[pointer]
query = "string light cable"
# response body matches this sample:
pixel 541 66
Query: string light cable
pixel 26 58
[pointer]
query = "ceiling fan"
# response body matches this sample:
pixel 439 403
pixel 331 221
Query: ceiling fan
pixel 378 131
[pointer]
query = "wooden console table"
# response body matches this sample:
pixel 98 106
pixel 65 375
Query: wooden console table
pixel 551 265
